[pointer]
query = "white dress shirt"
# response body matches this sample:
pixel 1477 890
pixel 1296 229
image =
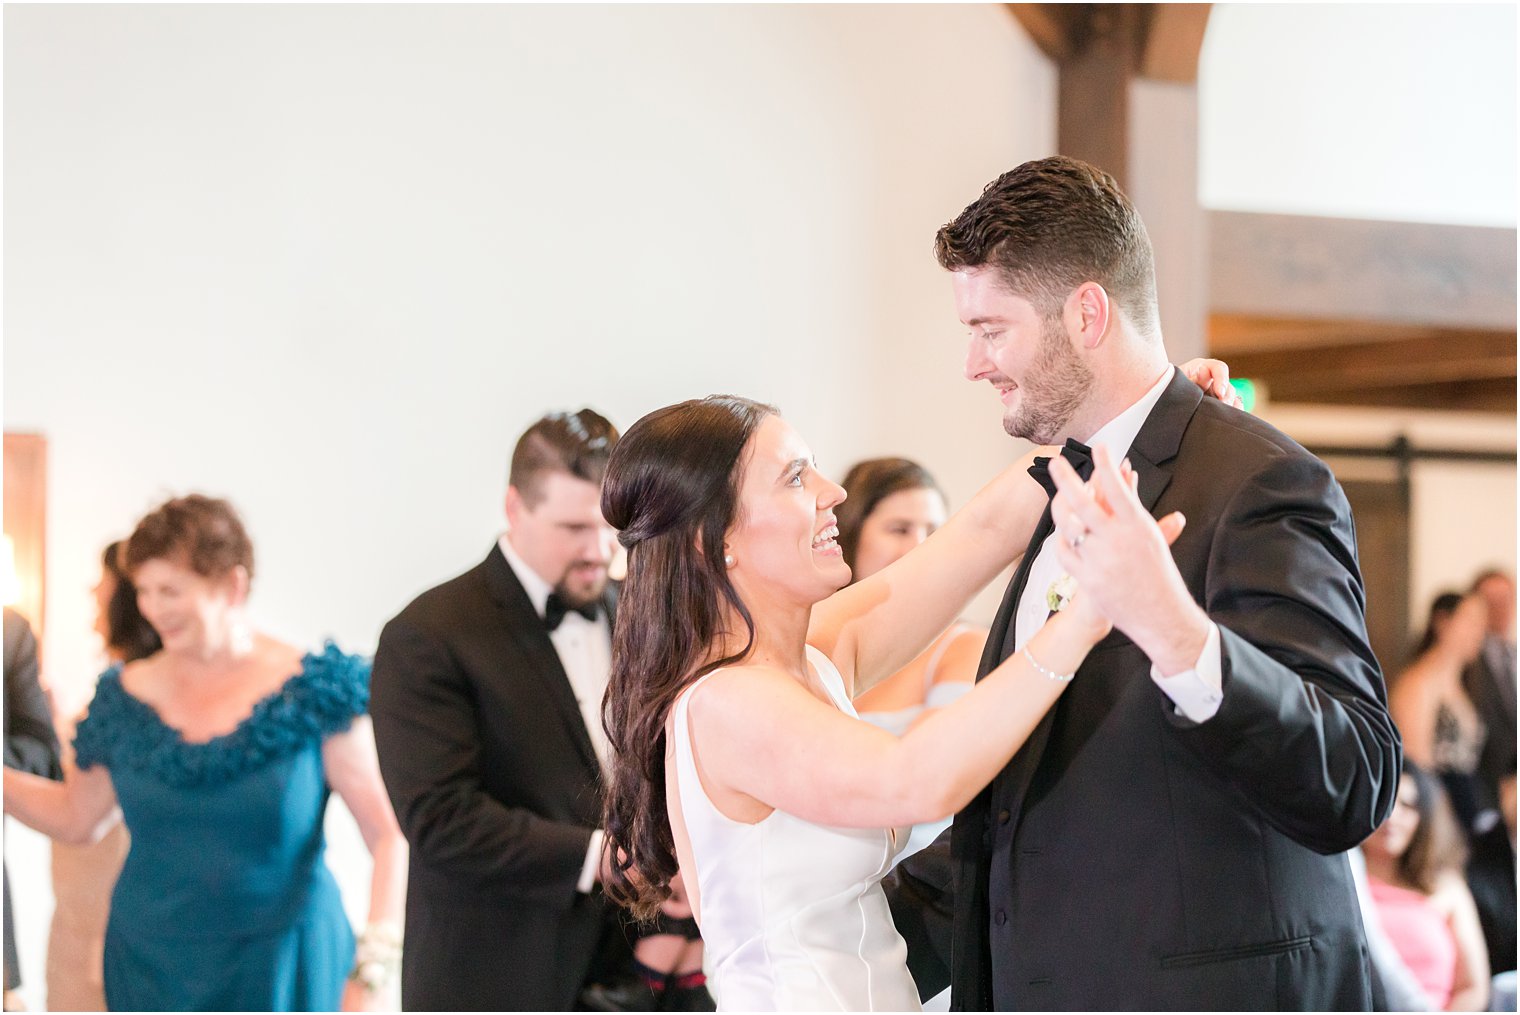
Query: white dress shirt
pixel 1196 693
pixel 585 651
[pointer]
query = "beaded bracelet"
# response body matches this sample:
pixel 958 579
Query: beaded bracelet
pixel 377 956
pixel 1052 674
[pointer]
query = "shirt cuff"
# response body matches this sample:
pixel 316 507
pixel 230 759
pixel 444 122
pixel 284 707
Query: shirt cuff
pixel 593 863
pixel 1198 692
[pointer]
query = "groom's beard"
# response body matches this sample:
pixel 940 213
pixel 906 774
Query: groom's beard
pixel 583 583
pixel 1053 389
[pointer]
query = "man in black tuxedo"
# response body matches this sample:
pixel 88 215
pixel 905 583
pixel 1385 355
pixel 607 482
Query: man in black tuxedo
pixel 1170 837
pixel 31 745
pixel 486 697
pixel 1490 682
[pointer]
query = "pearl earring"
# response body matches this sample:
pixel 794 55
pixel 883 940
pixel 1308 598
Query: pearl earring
pixel 728 560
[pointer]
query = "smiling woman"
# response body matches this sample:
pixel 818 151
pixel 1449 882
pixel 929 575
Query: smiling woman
pixel 220 749
pixel 736 657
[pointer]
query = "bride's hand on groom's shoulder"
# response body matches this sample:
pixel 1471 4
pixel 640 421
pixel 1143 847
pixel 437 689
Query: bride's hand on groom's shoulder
pixel 1213 376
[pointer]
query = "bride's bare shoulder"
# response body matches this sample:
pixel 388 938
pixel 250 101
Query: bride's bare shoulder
pixel 734 692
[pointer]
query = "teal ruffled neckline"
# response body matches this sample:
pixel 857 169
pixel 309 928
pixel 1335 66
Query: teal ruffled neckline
pixel 323 698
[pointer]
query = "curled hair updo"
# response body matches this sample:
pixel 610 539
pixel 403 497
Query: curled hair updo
pixel 203 533
pixel 672 491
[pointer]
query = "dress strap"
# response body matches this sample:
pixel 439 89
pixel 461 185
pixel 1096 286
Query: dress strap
pixel 829 676
pixel 687 779
pixel 945 641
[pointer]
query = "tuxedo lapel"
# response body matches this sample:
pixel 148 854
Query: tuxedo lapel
pixel 541 662
pixel 1161 435
pixel 1150 455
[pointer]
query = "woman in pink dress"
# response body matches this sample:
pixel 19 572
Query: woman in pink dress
pixel 1414 869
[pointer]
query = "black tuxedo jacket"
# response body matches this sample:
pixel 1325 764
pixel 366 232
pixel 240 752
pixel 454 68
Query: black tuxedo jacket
pixel 1128 858
pixel 31 745
pixel 494 780
pixel 1492 695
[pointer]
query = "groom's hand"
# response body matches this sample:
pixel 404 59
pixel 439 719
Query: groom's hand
pixel 1122 558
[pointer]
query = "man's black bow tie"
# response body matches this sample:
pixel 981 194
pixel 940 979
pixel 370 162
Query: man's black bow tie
pixel 556 608
pixel 1079 456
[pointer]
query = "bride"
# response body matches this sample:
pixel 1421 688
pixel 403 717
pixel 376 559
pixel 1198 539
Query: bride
pixel 739 762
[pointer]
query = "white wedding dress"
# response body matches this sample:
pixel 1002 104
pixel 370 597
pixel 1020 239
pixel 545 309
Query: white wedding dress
pixel 792 913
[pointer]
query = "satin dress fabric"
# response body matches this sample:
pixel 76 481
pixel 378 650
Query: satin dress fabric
pixel 792 913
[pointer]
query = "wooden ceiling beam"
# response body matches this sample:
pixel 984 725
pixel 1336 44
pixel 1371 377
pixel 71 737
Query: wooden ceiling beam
pixel 1497 395
pixel 1093 115
pixel 1055 28
pixel 1293 374
pixel 1173 40
pixel 1250 333
pixel 1165 46
pixel 1099 50
pixel 1295 266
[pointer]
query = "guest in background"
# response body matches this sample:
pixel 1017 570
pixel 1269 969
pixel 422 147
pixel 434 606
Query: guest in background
pixel 1414 871
pixel 893 505
pixel 83 876
pixel 1490 681
pixel 1400 990
pixel 1441 728
pixel 30 746
pixel 487 698
pixel 220 749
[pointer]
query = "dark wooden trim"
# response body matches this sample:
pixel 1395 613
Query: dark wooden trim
pixel 1052 27
pixel 1436 357
pixel 1403 450
pixel 1099 49
pixel 1495 395
pixel 1401 272
pixel 1173 40
pixel 1164 46
pixel 1092 111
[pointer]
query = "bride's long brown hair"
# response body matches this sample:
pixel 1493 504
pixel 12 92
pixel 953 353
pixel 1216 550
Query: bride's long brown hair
pixel 672 491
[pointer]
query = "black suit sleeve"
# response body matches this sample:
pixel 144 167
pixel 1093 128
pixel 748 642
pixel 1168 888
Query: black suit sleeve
pixel 426 733
pixel 31 744
pixel 1303 730
pixel 921 893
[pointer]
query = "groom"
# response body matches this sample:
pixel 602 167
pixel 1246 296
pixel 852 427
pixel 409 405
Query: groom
pixel 1170 837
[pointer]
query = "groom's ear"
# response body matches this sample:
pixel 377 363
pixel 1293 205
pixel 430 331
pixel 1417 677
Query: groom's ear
pixel 1088 314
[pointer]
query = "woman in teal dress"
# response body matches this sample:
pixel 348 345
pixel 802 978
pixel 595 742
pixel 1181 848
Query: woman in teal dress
pixel 218 752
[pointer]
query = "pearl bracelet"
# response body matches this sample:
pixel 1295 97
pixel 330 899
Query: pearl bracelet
pixel 1064 678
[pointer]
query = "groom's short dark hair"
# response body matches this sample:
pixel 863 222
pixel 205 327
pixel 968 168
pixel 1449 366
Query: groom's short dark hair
pixel 1050 225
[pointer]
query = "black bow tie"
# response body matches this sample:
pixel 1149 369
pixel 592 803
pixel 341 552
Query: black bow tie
pixel 556 608
pixel 1079 455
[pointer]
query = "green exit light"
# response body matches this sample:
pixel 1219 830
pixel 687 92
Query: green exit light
pixel 1247 390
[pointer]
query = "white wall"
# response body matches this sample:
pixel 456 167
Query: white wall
pixel 1403 112
pixel 329 260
